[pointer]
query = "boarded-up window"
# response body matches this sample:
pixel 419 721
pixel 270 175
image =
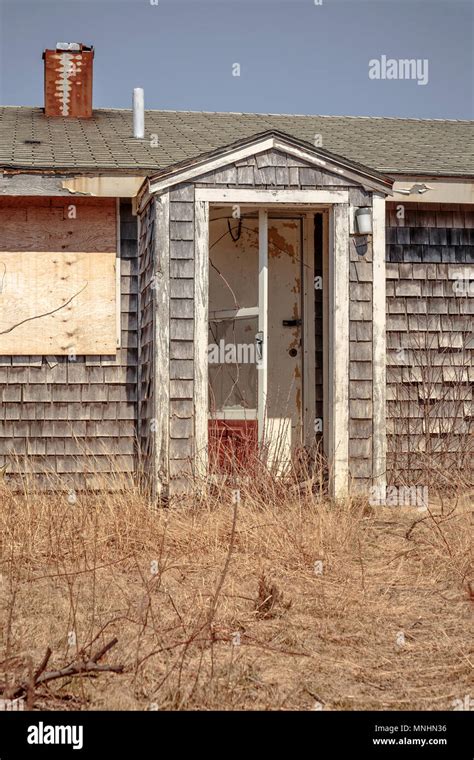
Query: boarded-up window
pixel 57 303
pixel 57 276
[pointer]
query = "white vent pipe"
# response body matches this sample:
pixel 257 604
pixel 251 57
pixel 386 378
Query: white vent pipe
pixel 138 113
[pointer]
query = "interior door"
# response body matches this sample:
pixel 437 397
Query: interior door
pixel 284 351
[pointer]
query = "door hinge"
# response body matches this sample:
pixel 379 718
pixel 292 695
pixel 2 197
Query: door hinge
pixel 259 346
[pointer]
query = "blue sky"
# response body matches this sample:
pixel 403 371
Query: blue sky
pixel 294 56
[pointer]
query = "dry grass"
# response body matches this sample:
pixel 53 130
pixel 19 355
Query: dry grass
pixel 283 601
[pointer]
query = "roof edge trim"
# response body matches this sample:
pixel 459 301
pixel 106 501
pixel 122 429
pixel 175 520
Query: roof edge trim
pixel 190 169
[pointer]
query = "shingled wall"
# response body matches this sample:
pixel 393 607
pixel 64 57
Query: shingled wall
pixel 361 365
pixel 181 445
pixel 430 346
pixel 72 417
pixel 147 316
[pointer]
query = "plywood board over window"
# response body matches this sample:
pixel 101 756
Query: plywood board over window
pixel 58 303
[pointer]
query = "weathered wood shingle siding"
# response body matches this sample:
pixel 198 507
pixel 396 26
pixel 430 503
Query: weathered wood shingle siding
pixel 76 417
pixel 430 350
pixel 147 316
pixel 430 233
pixel 360 351
pixel 272 169
pixel 181 445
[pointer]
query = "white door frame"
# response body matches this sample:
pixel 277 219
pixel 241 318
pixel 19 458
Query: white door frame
pixel 262 367
pixel 338 338
pixel 338 349
pixel 309 342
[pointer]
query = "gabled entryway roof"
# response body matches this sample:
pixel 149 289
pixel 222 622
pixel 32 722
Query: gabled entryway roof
pixel 191 169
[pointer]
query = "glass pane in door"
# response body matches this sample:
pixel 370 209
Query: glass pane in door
pixel 232 366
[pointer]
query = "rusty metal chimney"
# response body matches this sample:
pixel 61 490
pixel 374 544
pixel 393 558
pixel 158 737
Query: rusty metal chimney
pixel 68 80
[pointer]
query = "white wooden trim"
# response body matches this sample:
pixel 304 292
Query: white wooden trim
pixel 244 196
pixel 329 396
pixel 243 313
pixel 234 414
pixel 102 186
pixel 312 157
pixel 336 305
pixel 456 191
pixel 201 328
pixel 309 349
pixel 335 167
pixel 161 353
pixel 326 322
pixel 60 183
pixel 118 275
pixel 210 165
pixel 262 374
pixel 379 341
pixel 339 350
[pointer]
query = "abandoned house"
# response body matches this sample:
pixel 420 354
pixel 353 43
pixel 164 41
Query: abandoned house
pixel 169 279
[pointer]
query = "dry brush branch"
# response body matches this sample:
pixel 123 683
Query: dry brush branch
pixel 75 668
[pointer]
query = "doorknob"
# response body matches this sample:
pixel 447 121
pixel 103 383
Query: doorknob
pixel 291 323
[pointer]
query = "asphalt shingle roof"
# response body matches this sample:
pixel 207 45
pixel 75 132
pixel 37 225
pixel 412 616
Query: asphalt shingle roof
pixel 105 142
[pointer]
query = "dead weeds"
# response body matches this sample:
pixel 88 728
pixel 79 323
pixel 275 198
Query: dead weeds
pixel 283 601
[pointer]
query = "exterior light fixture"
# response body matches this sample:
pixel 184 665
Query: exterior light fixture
pixel 363 221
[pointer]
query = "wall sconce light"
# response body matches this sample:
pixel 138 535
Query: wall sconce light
pixel 363 221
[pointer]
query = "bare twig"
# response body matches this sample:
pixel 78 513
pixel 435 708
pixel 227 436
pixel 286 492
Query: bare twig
pixel 98 656
pixel 76 668
pixel 43 665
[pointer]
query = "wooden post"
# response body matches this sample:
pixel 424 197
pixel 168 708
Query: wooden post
pixel 339 350
pixel 262 319
pixel 379 342
pixel 161 352
pixel 201 328
pixel 326 320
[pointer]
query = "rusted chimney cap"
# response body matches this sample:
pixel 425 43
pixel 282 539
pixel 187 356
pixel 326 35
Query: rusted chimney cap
pixel 71 47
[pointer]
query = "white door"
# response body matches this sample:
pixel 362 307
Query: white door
pixel 235 303
pixel 284 351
